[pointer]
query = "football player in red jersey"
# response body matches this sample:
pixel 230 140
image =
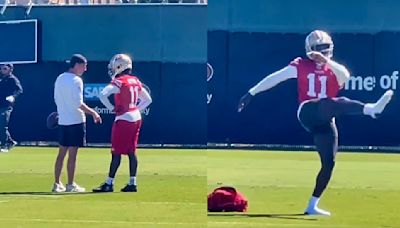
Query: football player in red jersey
pixel 127 90
pixel 319 81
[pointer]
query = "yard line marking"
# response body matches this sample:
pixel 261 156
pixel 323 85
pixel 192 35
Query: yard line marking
pixel 13 196
pixel 61 196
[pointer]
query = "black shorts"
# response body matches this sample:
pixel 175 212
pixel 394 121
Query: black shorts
pixel 72 135
pixel 313 118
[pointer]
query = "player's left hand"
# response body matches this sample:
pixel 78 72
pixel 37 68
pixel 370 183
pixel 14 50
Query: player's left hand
pixel 10 99
pixel 318 57
pixel 244 101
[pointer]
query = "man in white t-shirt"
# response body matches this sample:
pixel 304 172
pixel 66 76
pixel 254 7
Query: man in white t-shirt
pixel 68 95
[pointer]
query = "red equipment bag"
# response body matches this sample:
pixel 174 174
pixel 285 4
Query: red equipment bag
pixel 226 199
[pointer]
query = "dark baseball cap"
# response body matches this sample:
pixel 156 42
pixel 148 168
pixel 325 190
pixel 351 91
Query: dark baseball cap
pixel 7 64
pixel 76 59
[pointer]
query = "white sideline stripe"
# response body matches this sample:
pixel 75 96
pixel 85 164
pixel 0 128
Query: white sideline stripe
pixel 96 221
pixel 230 224
pixel 31 196
pixel 60 196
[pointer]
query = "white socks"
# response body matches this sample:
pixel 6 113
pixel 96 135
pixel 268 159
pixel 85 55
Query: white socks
pixel 313 202
pixel 132 180
pixel 110 181
pixel 373 109
pixel 312 208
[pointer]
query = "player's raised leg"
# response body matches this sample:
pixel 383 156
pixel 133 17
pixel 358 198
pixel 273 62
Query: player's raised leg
pixel 334 107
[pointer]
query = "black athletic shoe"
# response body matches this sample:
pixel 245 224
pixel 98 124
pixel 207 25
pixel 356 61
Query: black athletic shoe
pixel 104 188
pixel 8 146
pixel 129 188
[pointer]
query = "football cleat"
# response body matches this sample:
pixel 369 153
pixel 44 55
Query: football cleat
pixel 104 188
pixel 11 144
pixel 316 211
pixel 129 188
pixel 382 102
pixel 8 146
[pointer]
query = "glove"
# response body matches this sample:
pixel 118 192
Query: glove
pixel 10 99
pixel 244 101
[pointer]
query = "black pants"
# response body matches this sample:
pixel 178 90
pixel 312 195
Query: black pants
pixel 5 137
pixel 317 117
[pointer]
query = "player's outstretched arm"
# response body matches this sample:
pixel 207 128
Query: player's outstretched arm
pixel 244 101
pixel 267 83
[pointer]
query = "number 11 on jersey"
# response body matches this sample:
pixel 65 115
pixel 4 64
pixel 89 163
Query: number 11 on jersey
pixel 312 84
pixel 134 90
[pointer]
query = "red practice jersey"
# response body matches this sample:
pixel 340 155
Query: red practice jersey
pixel 126 99
pixel 314 81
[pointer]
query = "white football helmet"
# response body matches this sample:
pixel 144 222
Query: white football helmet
pixel 319 41
pixel 118 64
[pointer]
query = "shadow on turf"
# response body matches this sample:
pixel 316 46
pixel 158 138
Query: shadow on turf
pixel 277 216
pixel 45 193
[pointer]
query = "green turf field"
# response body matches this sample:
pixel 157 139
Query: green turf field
pixel 364 191
pixel 171 184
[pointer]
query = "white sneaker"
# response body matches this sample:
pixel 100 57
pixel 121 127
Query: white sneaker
pixel 58 188
pixel 74 188
pixel 380 105
pixel 316 211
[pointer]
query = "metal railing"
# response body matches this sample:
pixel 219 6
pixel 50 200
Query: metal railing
pixel 6 3
pixel 24 3
pixel 28 4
